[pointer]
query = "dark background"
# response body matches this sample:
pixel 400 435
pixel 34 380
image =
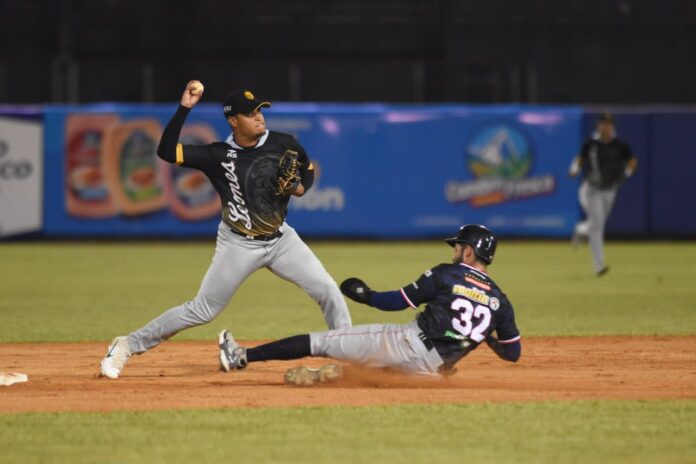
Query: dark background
pixel 547 51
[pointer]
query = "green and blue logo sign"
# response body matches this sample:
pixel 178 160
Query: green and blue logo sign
pixel 499 158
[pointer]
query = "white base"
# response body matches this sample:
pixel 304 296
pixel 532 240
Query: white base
pixel 8 378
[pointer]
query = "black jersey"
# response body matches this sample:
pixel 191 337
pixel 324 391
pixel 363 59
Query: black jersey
pixel 464 307
pixel 604 164
pixel 247 179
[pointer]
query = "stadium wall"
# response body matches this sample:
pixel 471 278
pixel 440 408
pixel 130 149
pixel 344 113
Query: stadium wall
pixel 384 171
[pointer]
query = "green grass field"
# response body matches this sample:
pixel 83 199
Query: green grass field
pixel 94 291
pixel 70 292
pixel 578 432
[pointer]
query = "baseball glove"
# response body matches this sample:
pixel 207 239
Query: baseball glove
pixel 357 290
pixel 288 173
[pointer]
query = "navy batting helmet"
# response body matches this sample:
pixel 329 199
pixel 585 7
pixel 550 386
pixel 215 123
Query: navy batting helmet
pixel 481 240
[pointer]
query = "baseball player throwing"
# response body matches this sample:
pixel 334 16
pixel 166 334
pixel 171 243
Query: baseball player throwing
pixel 254 171
pixel 464 308
pixel 605 163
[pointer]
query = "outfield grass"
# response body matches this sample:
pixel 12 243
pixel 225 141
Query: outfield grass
pixel 579 432
pixel 77 291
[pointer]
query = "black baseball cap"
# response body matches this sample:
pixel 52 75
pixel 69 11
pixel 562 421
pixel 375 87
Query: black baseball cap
pixel 242 101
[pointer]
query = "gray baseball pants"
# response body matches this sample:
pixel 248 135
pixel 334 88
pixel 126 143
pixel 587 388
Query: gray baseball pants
pixel 597 204
pixel 396 346
pixel 235 259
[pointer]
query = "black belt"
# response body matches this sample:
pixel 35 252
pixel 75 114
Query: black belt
pixel 447 367
pixel 261 238
pixel 426 341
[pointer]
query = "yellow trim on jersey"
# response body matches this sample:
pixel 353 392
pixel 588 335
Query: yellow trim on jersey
pixel 179 153
pixel 471 293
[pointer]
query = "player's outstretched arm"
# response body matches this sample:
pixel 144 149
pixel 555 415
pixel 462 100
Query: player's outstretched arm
pixel 359 291
pixel 168 145
pixel 507 351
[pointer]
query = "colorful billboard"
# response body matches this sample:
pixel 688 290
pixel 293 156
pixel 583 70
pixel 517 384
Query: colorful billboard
pixel 382 170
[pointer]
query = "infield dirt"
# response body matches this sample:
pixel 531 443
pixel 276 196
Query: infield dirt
pixel 64 377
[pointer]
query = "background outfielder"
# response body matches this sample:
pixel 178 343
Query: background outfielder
pixel 464 308
pixel 605 162
pixel 254 171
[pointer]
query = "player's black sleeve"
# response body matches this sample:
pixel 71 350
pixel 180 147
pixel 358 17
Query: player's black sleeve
pixel 190 156
pixel 199 156
pixel 306 168
pixel 170 137
pixel 422 290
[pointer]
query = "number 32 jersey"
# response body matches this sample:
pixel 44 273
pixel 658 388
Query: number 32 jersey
pixel 464 306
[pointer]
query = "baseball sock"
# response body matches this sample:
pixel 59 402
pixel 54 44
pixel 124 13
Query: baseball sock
pixel 288 348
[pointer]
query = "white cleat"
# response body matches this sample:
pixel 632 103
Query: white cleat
pixel 116 358
pixel 232 356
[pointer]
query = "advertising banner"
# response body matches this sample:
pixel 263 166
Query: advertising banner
pixel 104 178
pixel 21 173
pixel 382 170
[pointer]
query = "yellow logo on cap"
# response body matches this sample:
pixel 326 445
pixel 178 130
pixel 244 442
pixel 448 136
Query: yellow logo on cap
pixel 248 95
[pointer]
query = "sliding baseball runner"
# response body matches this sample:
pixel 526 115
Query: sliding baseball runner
pixel 464 307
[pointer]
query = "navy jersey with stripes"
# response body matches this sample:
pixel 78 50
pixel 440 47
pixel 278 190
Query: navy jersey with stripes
pixel 464 307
